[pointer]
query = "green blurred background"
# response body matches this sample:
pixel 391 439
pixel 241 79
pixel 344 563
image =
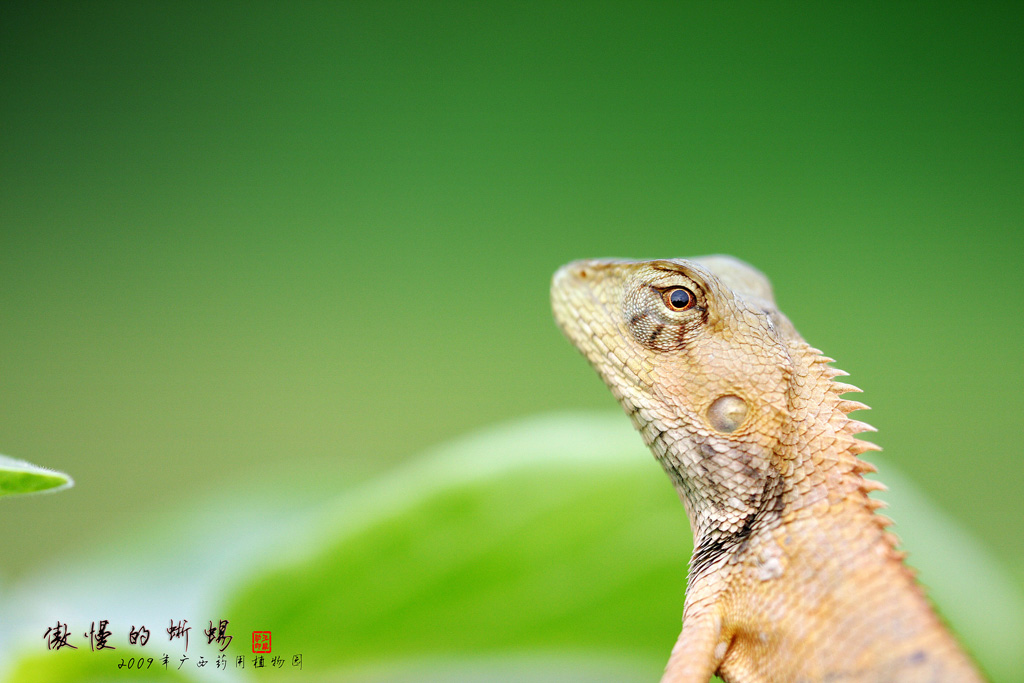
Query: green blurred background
pixel 248 242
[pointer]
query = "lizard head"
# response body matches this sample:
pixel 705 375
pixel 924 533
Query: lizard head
pixel 700 357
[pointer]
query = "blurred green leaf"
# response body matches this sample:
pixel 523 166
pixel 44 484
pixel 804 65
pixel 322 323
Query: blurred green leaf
pixel 551 536
pixel 551 549
pixel 18 476
pixel 540 539
pixel 86 666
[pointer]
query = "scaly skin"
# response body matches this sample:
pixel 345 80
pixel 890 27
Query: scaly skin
pixel 793 575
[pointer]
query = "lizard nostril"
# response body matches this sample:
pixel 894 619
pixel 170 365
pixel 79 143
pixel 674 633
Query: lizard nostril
pixel 727 413
pixel 582 273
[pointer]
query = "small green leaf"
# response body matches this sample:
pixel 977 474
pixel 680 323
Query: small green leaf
pixel 18 476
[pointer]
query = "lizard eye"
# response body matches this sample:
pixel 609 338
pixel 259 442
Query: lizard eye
pixel 678 298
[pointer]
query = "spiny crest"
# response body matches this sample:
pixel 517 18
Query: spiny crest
pixel 847 406
pixel 857 446
pixel 848 426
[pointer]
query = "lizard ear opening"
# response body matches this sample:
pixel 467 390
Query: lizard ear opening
pixel 727 413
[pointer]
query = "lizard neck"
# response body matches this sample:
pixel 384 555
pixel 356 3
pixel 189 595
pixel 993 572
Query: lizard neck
pixel 809 464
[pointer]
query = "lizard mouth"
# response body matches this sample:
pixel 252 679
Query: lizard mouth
pixel 578 284
pixel 574 293
pixel 584 297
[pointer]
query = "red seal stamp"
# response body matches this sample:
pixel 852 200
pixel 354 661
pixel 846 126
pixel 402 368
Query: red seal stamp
pixel 261 642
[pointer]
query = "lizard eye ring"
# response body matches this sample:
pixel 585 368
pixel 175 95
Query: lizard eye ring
pixel 679 298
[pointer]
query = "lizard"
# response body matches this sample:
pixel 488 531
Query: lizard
pixel 794 576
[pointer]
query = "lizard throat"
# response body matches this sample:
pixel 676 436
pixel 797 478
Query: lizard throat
pixel 733 492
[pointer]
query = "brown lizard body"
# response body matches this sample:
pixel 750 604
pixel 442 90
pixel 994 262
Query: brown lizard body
pixel 793 575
